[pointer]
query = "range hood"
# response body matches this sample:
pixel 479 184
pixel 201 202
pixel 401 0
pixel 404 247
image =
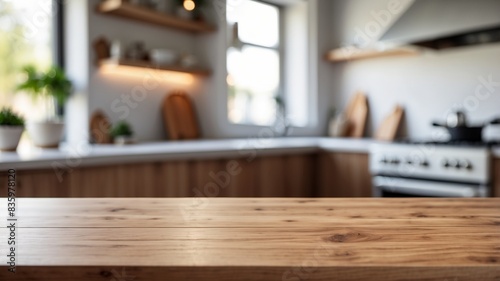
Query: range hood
pixel 441 24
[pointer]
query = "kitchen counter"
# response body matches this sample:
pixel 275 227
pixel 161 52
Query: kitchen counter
pixel 255 239
pixel 29 157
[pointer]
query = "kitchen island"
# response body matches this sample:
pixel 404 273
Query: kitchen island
pixel 254 239
pixel 271 167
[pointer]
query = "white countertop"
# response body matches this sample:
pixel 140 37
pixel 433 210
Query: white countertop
pixel 29 157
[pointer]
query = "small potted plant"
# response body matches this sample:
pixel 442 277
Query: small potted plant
pixel 122 133
pixel 52 88
pixel 11 129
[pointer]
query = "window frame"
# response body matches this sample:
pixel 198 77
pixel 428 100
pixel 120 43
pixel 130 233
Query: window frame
pixel 58 52
pixel 58 33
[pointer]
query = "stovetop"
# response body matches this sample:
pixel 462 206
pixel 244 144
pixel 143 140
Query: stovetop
pixel 490 143
pixel 449 161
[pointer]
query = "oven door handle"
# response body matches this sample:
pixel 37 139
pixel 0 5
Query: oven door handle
pixel 426 188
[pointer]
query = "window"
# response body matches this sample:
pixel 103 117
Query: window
pixel 28 36
pixel 253 62
pixel 269 55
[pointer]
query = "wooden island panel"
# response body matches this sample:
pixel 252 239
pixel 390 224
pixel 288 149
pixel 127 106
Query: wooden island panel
pixel 173 174
pixel 36 184
pixel 496 177
pixel 300 172
pixel 272 183
pixel 87 181
pixel 269 176
pixel 245 184
pixel 257 239
pixel 344 175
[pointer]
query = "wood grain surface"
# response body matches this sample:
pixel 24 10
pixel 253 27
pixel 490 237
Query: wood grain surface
pixel 127 10
pixel 355 53
pixel 100 127
pixel 357 115
pixel 344 175
pixel 256 239
pixel 180 117
pixel 388 130
pixel 256 177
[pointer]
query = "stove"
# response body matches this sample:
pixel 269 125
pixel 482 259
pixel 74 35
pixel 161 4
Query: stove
pixel 489 144
pixel 431 169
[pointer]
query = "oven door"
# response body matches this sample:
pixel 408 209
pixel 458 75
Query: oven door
pixel 400 187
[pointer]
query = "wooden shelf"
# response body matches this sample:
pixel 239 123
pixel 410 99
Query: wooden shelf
pixel 124 9
pixel 354 53
pixel 150 65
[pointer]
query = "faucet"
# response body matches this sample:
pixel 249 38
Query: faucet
pixel 281 126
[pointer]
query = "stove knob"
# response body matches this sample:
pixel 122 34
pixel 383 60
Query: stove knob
pixel 454 164
pixel 467 165
pixel 409 162
pixel 446 163
pixel 395 161
pixel 424 163
pixel 384 161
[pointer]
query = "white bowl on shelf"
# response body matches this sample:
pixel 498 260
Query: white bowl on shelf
pixel 163 56
pixel 124 140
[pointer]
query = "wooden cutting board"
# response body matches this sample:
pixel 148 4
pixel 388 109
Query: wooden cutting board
pixel 99 128
pixel 180 117
pixel 357 114
pixel 389 128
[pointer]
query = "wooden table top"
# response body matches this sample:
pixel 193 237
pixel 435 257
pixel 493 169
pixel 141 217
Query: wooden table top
pixel 255 239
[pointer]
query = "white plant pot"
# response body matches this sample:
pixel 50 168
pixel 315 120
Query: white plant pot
pixel 9 137
pixel 124 140
pixel 45 134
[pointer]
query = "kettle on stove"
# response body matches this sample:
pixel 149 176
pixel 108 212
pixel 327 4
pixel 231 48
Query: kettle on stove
pixel 456 119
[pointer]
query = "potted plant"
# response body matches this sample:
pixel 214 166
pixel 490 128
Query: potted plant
pixel 122 133
pixel 11 129
pixel 52 88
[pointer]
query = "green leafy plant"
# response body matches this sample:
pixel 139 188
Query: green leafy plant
pixel 121 128
pixel 10 118
pixel 50 84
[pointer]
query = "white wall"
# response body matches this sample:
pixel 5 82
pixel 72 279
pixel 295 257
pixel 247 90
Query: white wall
pixel 428 86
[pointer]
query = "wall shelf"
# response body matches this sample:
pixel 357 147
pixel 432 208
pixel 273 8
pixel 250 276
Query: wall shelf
pixel 124 9
pixel 354 53
pixel 150 65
